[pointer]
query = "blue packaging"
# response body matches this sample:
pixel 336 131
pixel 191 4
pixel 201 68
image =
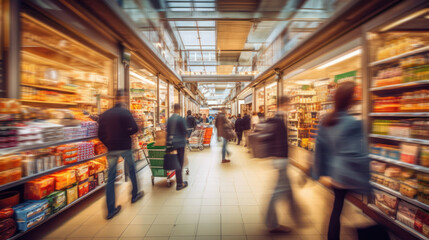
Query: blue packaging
pixel 38 218
pixel 27 210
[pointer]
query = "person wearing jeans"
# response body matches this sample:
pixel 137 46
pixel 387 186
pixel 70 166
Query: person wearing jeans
pixel 222 128
pixel 177 132
pixel 115 127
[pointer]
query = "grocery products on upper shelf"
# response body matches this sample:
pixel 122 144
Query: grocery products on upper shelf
pixel 398 46
pixel 413 101
pixel 409 128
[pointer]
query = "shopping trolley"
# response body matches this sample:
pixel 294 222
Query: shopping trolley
pixel 155 157
pixel 197 139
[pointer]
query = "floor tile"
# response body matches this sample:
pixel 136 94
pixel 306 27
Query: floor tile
pixel 111 231
pixel 208 238
pixel 184 230
pixel 136 230
pixel 233 229
pixel 61 231
pixel 187 218
pixel 208 229
pixel 165 219
pixel 209 218
pixel 86 231
pixel 160 230
pixel 252 218
pixel 144 219
pixel 231 218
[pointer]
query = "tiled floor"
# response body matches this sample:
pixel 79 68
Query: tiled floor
pixel 223 201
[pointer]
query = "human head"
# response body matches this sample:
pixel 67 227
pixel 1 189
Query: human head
pixel 284 103
pixel 176 108
pixel 239 115
pixel 189 112
pixel 204 116
pixel 344 96
pixel 255 114
pixel 120 96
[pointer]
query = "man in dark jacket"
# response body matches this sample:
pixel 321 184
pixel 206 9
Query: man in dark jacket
pixel 191 122
pixel 246 128
pixel 177 131
pixel 239 128
pixel 222 125
pixel 116 125
pixel 279 154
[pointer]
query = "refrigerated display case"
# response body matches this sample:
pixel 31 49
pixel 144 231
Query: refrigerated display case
pixel 271 99
pixel 399 120
pixel 163 102
pixel 59 71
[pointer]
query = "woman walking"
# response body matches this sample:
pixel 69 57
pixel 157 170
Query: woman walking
pixel 341 155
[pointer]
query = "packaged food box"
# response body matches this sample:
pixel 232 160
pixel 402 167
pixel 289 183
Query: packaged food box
pixel 7 228
pixel 92 185
pixel 425 229
pixel 82 173
pixel 10 162
pixel 39 188
pixel 83 188
pixel 420 218
pixel 408 188
pixel 424 156
pixel 393 153
pixel 10 175
pixel 71 194
pixel 387 210
pixel 377 166
pixel 25 225
pixel 91 168
pixel 405 219
pixel 386 199
pixel 64 178
pixel 57 200
pixel 100 178
pixel 29 209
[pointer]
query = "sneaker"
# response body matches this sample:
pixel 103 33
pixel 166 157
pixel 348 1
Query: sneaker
pixel 138 197
pixel 281 229
pixel 226 161
pixel 184 185
pixel 115 212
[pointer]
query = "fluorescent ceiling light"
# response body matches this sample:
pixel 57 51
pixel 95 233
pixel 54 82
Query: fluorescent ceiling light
pixel 405 19
pixel 141 78
pixel 340 59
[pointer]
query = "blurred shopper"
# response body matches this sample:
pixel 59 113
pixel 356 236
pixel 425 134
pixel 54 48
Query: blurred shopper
pixel 205 119
pixel 191 123
pixel 211 118
pixel 261 113
pixel 116 125
pixel 239 128
pixel 341 154
pixel 246 128
pixel 276 141
pixel 224 131
pixel 254 120
pixel 177 130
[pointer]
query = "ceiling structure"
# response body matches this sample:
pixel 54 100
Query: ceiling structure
pixel 225 37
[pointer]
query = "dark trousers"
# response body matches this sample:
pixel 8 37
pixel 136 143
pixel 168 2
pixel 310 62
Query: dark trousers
pixel 334 222
pixel 112 158
pixel 239 137
pixel 181 156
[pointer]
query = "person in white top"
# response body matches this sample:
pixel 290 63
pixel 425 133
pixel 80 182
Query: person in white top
pixel 254 120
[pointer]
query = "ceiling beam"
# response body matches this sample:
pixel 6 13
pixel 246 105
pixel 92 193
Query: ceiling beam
pixel 217 78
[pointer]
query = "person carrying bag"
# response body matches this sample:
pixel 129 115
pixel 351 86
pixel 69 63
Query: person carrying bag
pixel 176 143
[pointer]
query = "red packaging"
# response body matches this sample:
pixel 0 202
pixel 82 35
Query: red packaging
pixel 91 168
pixel 82 173
pixel 420 218
pixel 83 189
pixel 39 188
pixel 7 228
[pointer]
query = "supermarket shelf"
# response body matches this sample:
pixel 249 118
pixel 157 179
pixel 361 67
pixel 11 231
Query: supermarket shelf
pixel 46 102
pixel 42 145
pixel 88 103
pixel 49 88
pixel 399 195
pixel 50 171
pixel 394 58
pixel 401 85
pixel 400 224
pixel 20 234
pixel 400 139
pixel 400 163
pixel 400 114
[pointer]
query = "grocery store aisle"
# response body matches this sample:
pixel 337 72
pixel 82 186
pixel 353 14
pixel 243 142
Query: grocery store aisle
pixel 223 201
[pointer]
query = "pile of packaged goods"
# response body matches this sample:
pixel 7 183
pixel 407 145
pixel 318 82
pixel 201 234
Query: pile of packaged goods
pixel 30 93
pixel 405 152
pixel 410 128
pixel 47 195
pixel 398 46
pixel 415 101
pixel 410 69
pixel 408 214
pixel 10 168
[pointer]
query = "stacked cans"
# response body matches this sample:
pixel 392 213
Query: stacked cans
pixel 90 128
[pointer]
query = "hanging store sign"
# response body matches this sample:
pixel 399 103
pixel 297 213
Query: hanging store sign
pixel 348 76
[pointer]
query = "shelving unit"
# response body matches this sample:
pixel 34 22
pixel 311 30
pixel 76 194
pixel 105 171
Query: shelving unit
pixel 44 173
pixel 401 86
pixel 398 223
pixel 48 102
pixel 400 139
pixel 49 88
pixel 397 57
pixel 399 195
pixel 400 114
pixel 399 163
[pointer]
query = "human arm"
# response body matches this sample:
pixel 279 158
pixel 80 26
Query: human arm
pixel 130 123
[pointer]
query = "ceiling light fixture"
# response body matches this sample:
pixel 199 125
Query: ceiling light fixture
pixel 141 78
pixel 405 19
pixel 340 59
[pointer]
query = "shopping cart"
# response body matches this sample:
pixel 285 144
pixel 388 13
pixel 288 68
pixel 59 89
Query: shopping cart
pixel 155 157
pixel 208 131
pixel 197 139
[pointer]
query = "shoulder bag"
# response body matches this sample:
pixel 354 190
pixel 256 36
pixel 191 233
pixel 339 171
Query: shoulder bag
pixel 171 160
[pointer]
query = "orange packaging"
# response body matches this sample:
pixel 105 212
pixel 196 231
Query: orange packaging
pixel 9 162
pixel 91 168
pixel 82 173
pixel 39 188
pixel 98 166
pixel 64 178
pixel 10 175
pixel 83 188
